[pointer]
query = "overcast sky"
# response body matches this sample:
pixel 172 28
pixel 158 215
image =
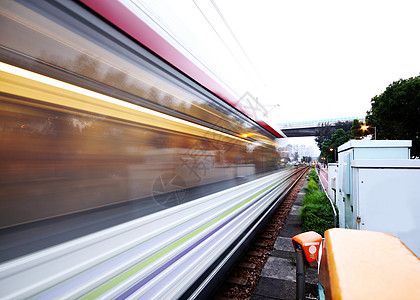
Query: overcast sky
pixel 315 59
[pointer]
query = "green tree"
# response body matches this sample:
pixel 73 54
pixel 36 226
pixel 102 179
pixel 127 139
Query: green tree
pixel 338 138
pixel 324 131
pixel 306 159
pixel 356 130
pixel 396 112
pixel 346 126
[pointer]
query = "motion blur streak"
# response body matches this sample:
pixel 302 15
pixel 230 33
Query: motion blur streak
pixel 39 86
pixel 44 161
pixel 119 174
pixel 90 119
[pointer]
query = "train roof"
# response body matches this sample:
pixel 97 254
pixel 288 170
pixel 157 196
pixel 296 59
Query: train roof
pixel 121 16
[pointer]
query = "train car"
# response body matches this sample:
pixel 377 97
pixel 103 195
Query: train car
pixel 108 154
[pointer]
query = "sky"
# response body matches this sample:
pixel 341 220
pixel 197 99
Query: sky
pixel 303 60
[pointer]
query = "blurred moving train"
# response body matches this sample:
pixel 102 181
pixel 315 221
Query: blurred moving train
pixel 66 148
pixel 96 126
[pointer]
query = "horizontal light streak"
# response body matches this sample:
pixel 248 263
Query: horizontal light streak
pixel 98 96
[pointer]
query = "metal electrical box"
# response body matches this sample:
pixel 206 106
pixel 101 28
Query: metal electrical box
pixel 346 173
pixel 332 181
pixel 355 150
pixel 386 198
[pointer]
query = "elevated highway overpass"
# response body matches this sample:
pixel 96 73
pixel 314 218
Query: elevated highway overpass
pixel 308 128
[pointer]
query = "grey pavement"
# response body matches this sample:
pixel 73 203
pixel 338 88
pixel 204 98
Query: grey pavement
pixel 278 278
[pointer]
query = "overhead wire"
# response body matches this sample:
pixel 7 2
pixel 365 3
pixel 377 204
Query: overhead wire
pixel 232 33
pixel 163 26
pixel 220 37
pixel 236 39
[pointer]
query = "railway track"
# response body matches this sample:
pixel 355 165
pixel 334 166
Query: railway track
pixel 244 276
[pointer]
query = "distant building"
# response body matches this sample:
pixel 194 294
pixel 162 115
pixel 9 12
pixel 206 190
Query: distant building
pixel 310 151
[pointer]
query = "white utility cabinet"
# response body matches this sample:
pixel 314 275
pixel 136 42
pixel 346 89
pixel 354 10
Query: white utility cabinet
pixel 332 180
pixel 361 149
pixel 386 198
pixel 377 188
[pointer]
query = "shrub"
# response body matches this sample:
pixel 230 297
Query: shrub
pixel 313 175
pixel 311 187
pixel 320 210
pixel 316 223
pixel 316 213
pixel 315 196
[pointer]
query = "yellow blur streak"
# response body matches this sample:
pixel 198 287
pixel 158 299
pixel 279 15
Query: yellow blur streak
pixel 31 85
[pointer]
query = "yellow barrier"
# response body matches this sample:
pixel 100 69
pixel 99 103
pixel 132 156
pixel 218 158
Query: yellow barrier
pixel 358 264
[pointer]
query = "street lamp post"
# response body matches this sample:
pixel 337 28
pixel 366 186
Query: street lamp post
pixel 366 127
pixel 331 150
